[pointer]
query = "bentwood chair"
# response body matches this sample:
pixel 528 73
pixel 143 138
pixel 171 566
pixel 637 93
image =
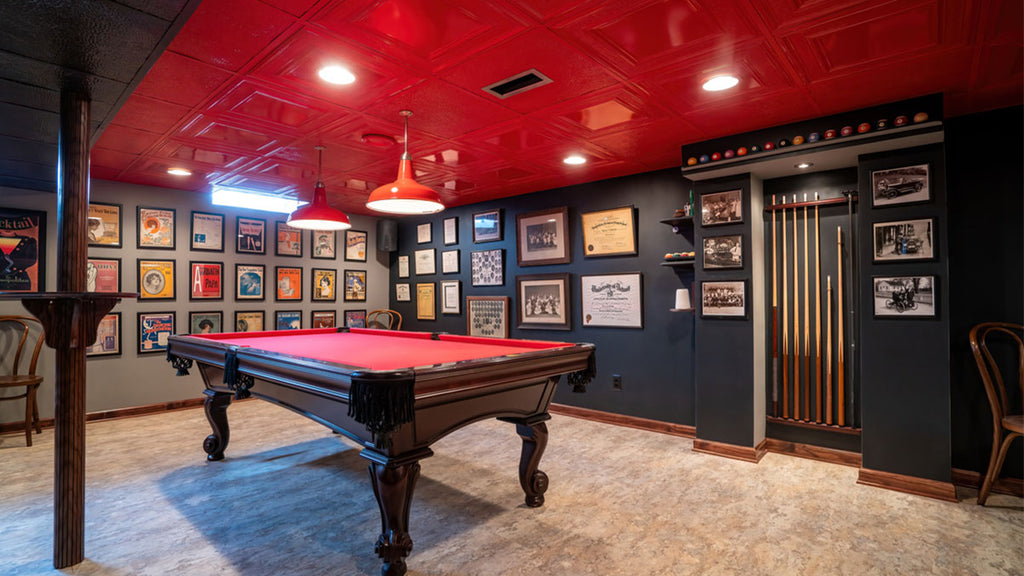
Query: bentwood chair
pixel 1005 426
pixel 384 320
pixel 24 329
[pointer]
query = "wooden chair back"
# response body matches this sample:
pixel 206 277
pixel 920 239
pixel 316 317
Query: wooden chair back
pixel 26 325
pixel 384 320
pixel 988 367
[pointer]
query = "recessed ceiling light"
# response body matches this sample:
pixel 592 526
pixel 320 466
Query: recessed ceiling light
pixel 575 160
pixel 804 165
pixel 378 140
pixel 721 82
pixel 179 171
pixel 336 74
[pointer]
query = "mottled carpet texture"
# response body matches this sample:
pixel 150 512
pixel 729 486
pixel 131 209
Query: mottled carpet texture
pixel 293 498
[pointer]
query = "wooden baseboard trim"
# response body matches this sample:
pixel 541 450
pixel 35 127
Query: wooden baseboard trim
pixel 972 479
pixel 810 452
pixel 911 485
pixel 626 421
pixel 19 427
pixel 744 453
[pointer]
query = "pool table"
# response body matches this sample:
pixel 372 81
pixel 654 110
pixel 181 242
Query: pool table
pixel 395 393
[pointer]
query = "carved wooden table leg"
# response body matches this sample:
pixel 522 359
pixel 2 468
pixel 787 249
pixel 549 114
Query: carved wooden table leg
pixel 534 433
pixel 216 407
pixel 394 480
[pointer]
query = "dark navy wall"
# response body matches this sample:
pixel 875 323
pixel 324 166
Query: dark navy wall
pixel 656 362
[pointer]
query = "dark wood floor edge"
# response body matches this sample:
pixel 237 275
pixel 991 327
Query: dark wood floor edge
pixel 627 421
pixel 972 479
pixel 909 484
pixel 131 412
pixel 742 453
pixel 811 452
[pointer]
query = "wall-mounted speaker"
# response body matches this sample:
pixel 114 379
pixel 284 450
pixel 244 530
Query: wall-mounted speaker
pixel 387 235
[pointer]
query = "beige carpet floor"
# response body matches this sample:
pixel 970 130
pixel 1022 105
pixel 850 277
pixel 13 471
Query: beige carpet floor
pixel 294 499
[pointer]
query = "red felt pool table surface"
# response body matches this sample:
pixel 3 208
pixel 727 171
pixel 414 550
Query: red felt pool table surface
pixel 379 349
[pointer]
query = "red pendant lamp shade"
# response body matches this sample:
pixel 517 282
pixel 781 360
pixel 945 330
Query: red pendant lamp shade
pixel 405 195
pixel 318 215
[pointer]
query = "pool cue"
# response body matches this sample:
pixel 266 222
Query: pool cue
pixel 828 356
pixel 785 319
pixel 775 320
pixel 840 420
pixel 807 325
pixel 817 312
pixel 796 319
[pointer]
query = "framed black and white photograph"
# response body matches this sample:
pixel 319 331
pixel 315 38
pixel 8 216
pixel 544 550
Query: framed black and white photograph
pixel 251 235
pixel 325 285
pixel 108 337
pixel 487 267
pixel 487 226
pixel 154 330
pixel 724 299
pixel 155 227
pixel 609 232
pixel 156 279
pixel 403 266
pixel 450 262
pixel 289 240
pixel 105 225
pixel 288 320
pixel 542 302
pixel 904 296
pixel 487 316
pixel 324 244
pixel 451 230
pixel 721 208
pixel 542 237
pixel 723 252
pixel 249 321
pixel 205 322
pixel 425 264
pixel 904 240
pixel 249 281
pixel 451 297
pixel 402 292
pixel 906 185
pixel 355 246
pixel 423 233
pixel 206 232
pixel 323 318
pixel 612 300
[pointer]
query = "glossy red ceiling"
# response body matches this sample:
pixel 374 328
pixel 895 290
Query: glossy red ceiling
pixel 236 99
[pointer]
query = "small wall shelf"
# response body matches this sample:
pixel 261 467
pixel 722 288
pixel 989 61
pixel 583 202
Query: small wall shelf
pixel 679 263
pixel 679 224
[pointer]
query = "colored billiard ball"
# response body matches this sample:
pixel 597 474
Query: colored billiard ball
pixel 882 124
pixel 783 143
pixel 769 146
pixel 900 121
pixel 755 149
pixel 716 156
pixel 813 137
pixel 728 154
pixel 846 131
pixel 798 140
pixel 704 159
pixel 691 161
pixel 830 134
pixel 741 151
pixel 920 117
pixel 863 127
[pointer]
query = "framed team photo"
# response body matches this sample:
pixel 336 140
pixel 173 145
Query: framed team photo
pixel 249 321
pixel 487 267
pixel 487 316
pixel 154 330
pixel 723 252
pixel 249 281
pixel 721 208
pixel 355 285
pixel 543 237
pixel 206 280
pixel 103 275
pixel 288 320
pixel 156 279
pixel 205 322
pixel 324 244
pixel 288 283
pixel 325 284
pixel 906 185
pixel 289 240
pixel 105 225
pixel 252 235
pixel 108 337
pixel 323 318
pixel 355 246
pixel 156 228
pixel 207 232
pixel 542 302
pixel 724 299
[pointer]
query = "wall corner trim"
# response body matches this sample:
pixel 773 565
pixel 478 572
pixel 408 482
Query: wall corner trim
pixel 743 453
pixel 909 484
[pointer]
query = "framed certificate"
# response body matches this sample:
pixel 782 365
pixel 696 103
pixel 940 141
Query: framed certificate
pixel 609 232
pixel 451 297
pixel 425 264
pixel 425 301
pixel 612 300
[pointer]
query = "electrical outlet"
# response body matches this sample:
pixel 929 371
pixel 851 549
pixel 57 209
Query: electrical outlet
pixel 616 382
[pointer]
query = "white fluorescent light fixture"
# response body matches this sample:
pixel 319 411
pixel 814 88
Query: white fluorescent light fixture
pixel 245 199
pixel 722 82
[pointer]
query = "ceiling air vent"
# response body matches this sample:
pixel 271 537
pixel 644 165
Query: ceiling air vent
pixel 518 84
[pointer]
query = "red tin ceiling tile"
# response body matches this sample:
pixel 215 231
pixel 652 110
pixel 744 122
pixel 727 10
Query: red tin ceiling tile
pixel 111 159
pixel 514 137
pixel 781 108
pixel 148 114
pixel 181 80
pixel 287 110
pixel 229 33
pixel 293 7
pixel 124 139
pixel 610 110
pixel 222 133
pixel 783 16
pixel 189 153
pixel 653 143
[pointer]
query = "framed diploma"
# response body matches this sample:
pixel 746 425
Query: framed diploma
pixel 612 300
pixel 609 232
pixel 425 264
pixel 451 297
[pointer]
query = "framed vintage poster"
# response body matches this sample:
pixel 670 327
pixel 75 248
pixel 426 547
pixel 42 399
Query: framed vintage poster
pixel 206 281
pixel 105 225
pixel 542 302
pixel 487 226
pixel 108 337
pixel 103 275
pixel 403 266
pixel 543 237
pixel 289 240
pixel 423 233
pixel 402 293
pixel 612 300
pixel 451 297
pixel 425 264
pixel 355 285
pixel 487 267
pixel 721 208
pixel 22 250
pixel 323 318
pixel 205 322
pixel 207 232
pixel 425 301
pixel 725 299
pixel 355 246
pixel 288 283
pixel 723 252
pixel 906 185
pixel 323 244
pixel 325 283
pixel 451 230
pixel 156 228
pixel 249 281
pixel 252 235
pixel 904 240
pixel 154 330
pixel 487 316
pixel 609 232
pixel 288 320
pixel 156 279
pixel 355 318
pixel 450 262
pixel 248 321
pixel 904 296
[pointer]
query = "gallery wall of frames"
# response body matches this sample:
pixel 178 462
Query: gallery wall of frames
pixel 197 268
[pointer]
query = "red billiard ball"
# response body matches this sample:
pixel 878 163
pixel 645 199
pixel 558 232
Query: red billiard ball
pixel 830 134
pixel 798 140
pixel 846 131
pixel 900 121
pixel 716 156
pixel 863 127
pixel 692 160
pixel 769 146
pixel 728 154
pixel 741 151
